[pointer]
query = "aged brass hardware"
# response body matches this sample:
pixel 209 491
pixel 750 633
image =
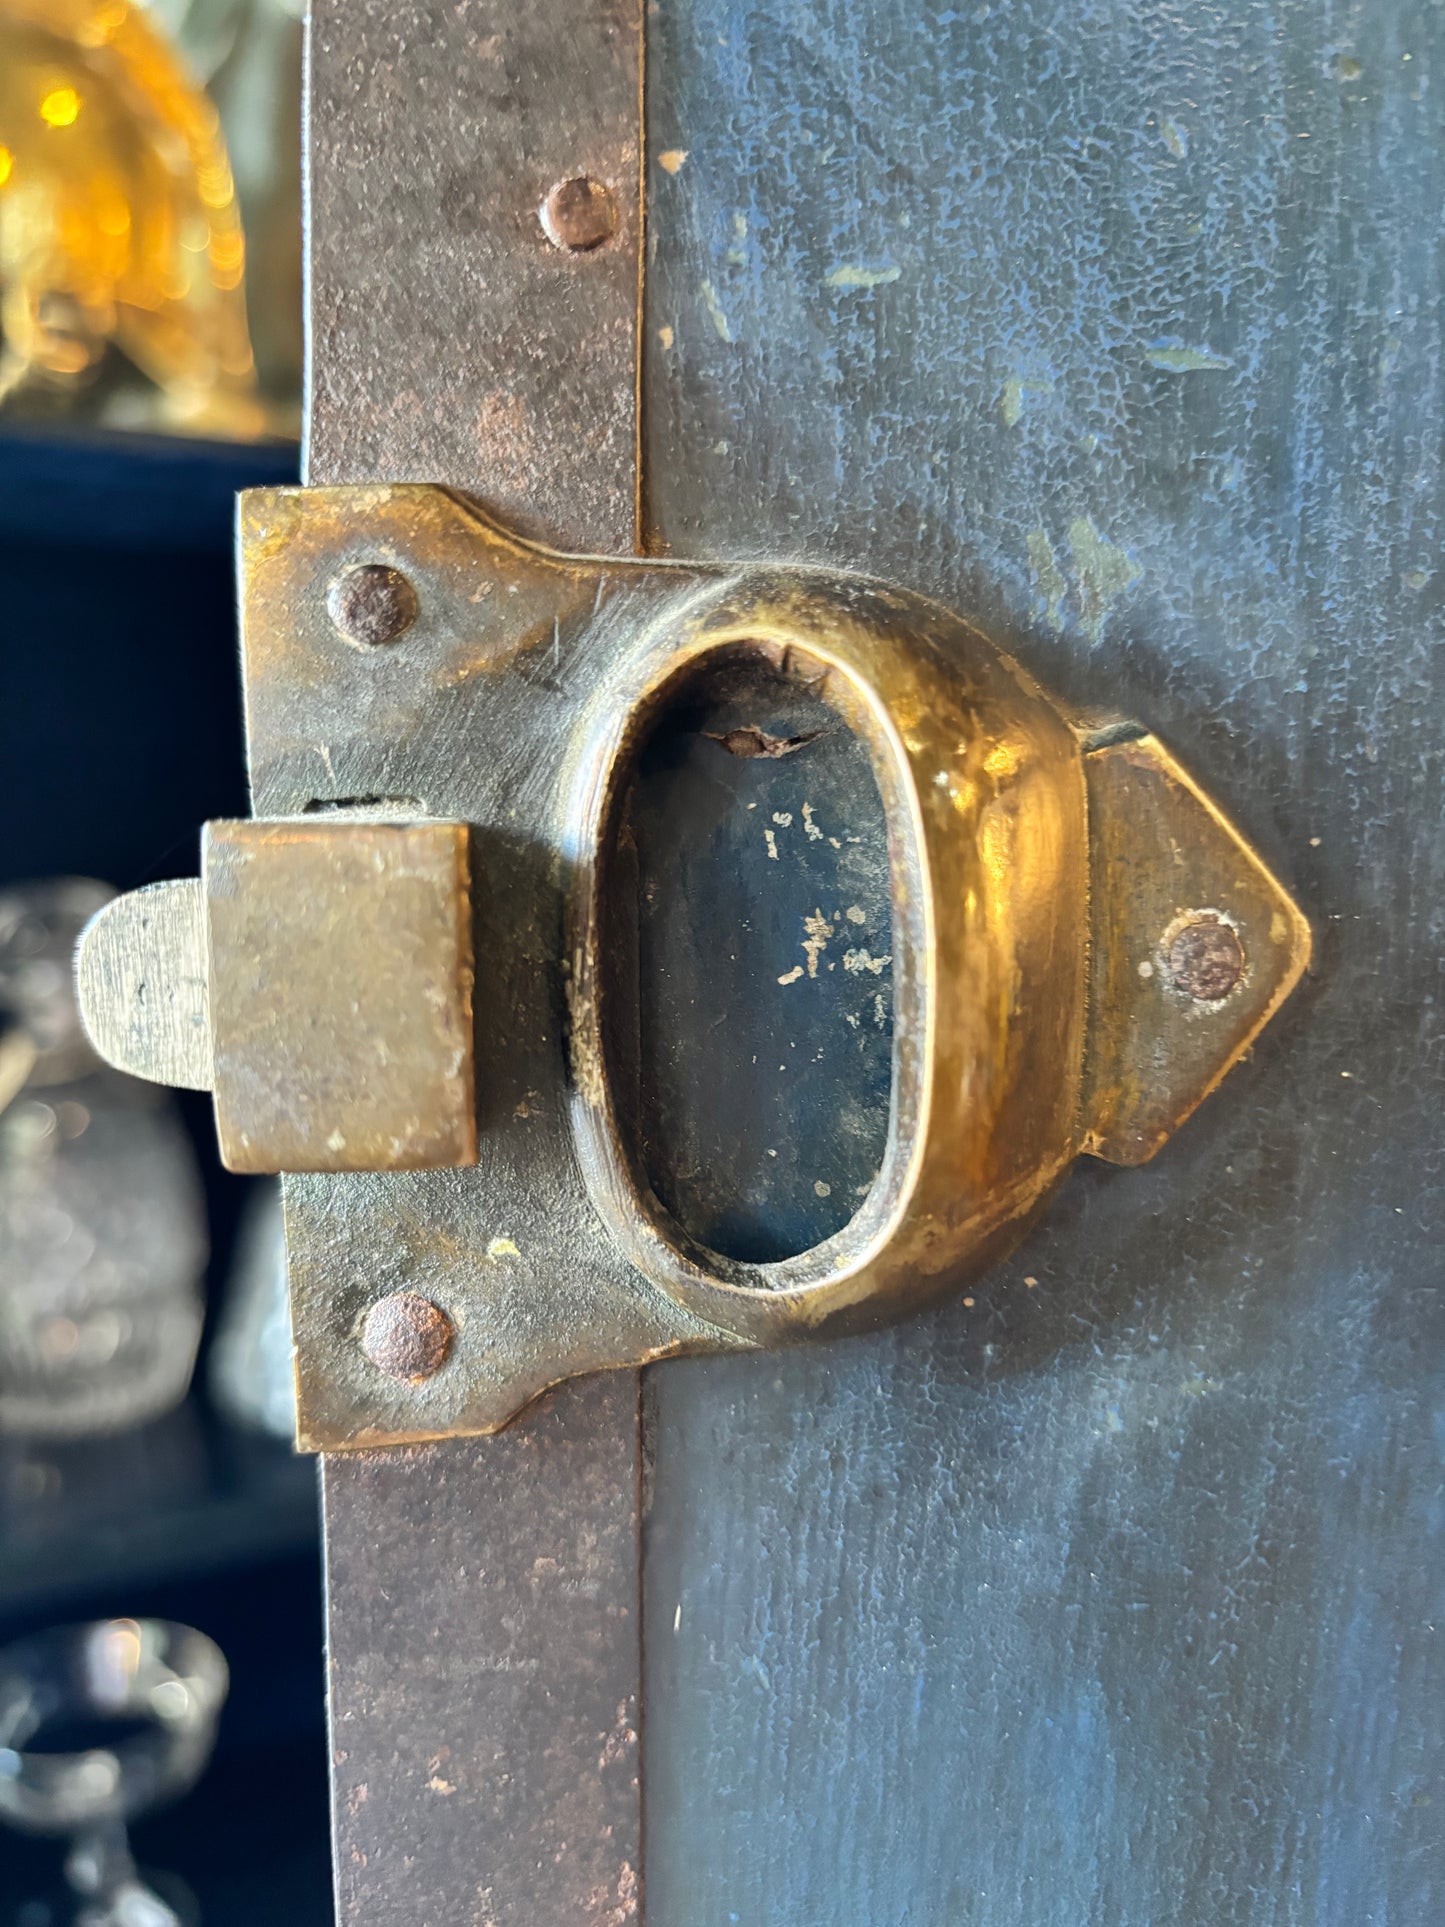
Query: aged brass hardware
pixel 1082 947
pixel 318 979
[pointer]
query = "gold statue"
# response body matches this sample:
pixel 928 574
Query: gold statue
pixel 118 219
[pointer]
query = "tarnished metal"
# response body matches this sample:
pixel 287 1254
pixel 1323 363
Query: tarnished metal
pixel 141 980
pixel 318 979
pixel 371 604
pixel 1205 958
pixel 341 995
pixel 1195 944
pixel 483 1595
pixel 1052 992
pixel 493 357
pixel 579 214
pixel 406 1335
pixel 484 1650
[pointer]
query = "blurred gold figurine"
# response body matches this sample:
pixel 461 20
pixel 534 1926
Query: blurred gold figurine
pixel 118 222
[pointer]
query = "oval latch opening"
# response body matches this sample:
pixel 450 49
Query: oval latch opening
pixel 748 958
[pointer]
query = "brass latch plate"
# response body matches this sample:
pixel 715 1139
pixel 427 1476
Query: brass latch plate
pixel 1081 947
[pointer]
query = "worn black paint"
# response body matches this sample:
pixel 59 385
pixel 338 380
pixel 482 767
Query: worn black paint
pixel 1114 1597
pixel 763 938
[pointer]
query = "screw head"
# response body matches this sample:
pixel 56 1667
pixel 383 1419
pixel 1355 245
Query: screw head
pixel 1206 959
pixel 407 1336
pixel 372 604
pixel 579 214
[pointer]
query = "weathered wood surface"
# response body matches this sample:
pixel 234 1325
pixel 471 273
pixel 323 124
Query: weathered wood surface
pixel 1114 1597
pixel 482 1595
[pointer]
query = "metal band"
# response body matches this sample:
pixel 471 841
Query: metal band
pixel 483 1597
pixel 482 1613
pixel 450 339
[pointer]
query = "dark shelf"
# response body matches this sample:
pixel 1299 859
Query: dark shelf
pixel 109 491
pixel 120 733
pixel 93 1520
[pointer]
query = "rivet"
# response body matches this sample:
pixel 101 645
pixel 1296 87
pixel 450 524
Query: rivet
pixel 407 1336
pixel 372 604
pixel 579 214
pixel 1206 959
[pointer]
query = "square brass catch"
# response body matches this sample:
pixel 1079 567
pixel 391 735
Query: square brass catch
pixel 341 994
pixel 317 977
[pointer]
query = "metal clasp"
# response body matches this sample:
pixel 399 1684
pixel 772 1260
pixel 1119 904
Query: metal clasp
pixel 1082 946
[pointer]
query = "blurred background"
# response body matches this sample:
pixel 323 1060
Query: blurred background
pixel 150 366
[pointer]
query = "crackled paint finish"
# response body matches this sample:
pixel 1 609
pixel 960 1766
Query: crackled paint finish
pixel 1113 1595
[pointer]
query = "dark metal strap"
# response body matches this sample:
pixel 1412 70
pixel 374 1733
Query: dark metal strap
pixel 483 1597
pixel 483 1627
pixel 451 340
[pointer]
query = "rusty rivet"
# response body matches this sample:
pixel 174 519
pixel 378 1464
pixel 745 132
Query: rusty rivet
pixel 1206 959
pixel 406 1335
pixel 579 214
pixel 372 604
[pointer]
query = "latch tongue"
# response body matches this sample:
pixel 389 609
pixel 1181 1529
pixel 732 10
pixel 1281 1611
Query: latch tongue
pixel 318 978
